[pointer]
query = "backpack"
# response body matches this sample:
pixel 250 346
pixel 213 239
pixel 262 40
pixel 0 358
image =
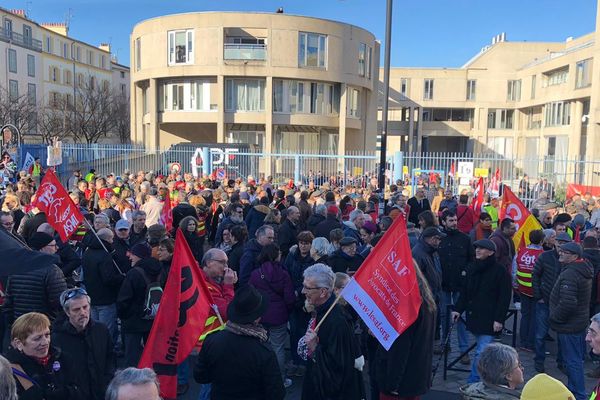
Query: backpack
pixel 154 292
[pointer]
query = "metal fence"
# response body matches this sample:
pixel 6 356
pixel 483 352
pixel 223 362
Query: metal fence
pixel 231 162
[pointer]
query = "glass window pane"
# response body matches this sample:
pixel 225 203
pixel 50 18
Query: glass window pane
pixel 302 49
pixel 180 49
pixel 312 50
pixel 322 50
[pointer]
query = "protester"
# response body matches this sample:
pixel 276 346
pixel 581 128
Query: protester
pixel 288 231
pixel 505 247
pixel 236 361
pixel 264 235
pixel 483 229
pixel 501 373
pixel 189 228
pixel 134 384
pixel 346 259
pixel 417 205
pixel 87 343
pixel 543 386
pixel 593 339
pixel 428 260
pixel 330 372
pixel 8 387
pixel 219 279
pixel 239 236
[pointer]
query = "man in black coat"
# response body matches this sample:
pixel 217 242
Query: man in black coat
pixel 427 258
pixel 87 343
pixel 318 216
pixel 248 263
pixel 485 298
pixel 330 223
pixel 456 252
pixel 102 280
pixel 418 204
pixel 237 361
pixel 346 259
pixel 288 231
pixel 121 245
pixel 545 272
pixel 569 312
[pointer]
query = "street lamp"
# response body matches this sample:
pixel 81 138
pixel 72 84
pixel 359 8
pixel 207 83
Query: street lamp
pixel 386 95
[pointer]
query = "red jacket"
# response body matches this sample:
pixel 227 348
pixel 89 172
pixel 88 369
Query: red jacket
pixel 222 294
pixel 466 218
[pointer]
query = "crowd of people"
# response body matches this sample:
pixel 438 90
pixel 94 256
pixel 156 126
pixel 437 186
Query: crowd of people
pixel 275 259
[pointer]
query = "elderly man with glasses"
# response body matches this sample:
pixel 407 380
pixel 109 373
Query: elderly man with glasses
pixel 86 342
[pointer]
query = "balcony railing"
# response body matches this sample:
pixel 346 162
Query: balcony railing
pixel 245 51
pixel 20 40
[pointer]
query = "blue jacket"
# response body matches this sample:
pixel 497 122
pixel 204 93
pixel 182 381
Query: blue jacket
pixel 248 261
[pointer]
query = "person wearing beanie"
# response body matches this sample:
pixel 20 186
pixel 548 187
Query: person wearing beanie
pixel 130 300
pixel 545 387
pixel 43 242
pixel 569 312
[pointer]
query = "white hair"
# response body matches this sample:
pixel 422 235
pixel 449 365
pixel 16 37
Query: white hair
pixel 322 274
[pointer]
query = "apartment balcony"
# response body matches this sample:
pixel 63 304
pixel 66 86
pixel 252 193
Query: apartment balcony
pixel 234 51
pixel 20 40
pixel 447 128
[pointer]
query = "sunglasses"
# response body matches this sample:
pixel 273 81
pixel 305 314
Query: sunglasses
pixel 71 293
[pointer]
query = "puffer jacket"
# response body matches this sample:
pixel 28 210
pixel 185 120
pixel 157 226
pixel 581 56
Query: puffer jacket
pixel 545 272
pixel 482 391
pixel 38 290
pixel 270 278
pixel 570 298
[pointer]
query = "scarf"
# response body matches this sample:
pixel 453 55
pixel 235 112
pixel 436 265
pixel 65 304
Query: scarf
pixel 43 361
pixel 252 330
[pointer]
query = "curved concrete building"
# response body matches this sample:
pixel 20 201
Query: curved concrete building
pixel 277 81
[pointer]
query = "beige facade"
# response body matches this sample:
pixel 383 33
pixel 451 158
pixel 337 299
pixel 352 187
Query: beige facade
pixel 279 82
pixel 522 100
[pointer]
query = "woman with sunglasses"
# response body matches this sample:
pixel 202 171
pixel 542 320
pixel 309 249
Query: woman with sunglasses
pixel 41 371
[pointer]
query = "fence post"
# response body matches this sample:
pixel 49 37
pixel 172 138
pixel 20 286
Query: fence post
pixel 206 161
pixel 296 169
pixel 398 164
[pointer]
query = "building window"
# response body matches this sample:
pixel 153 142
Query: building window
pixel 583 71
pixel 65 52
pixel 48 44
pixel 12 60
pixel 404 82
pixel 78 53
pixel 31 94
pixel 13 90
pixel 513 90
pixel 181 47
pixel 191 95
pixel 245 95
pixel 312 50
pixel 364 60
pixel 556 77
pixel 122 74
pixel 471 89
pixel 90 59
pixel 533 84
pixel 92 82
pixel 30 65
pixel 138 54
pixel 54 74
pixel 289 97
pixel 103 61
pixel 123 88
pixel 428 89
pixel 68 80
pixel 54 100
pixel 500 119
pixel 354 103
pixel 27 35
pixel 8 27
pixel 557 113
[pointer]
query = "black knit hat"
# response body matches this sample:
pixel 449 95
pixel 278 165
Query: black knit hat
pixel 39 240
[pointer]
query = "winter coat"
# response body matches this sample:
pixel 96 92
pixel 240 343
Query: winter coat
pixel 239 368
pixel 121 248
pixel 37 290
pixel 225 222
pixel 478 233
pixel 456 252
pixel 101 277
pixel 256 218
pixel 69 260
pixel 483 391
pixel 305 214
pixel 287 237
pixel 485 296
pixel 324 228
pixel 50 384
pixel 505 250
pixel 570 298
pixel 135 238
pixel 350 230
pixel 153 208
pixel 545 272
pixel 91 351
pixel 234 256
pixel 295 265
pixel 130 301
pixel 593 256
pixel 417 208
pixel 313 221
pixel 271 279
pixel 222 294
pixel 406 367
pixel 342 262
pixel 196 244
pixel 182 210
pixel 248 262
pixel 428 260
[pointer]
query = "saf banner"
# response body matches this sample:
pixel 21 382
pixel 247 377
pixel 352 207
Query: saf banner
pixel 185 307
pixel 384 291
pixel 514 209
pixel 54 201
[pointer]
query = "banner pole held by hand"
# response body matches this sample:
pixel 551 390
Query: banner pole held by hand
pixel 102 244
pixel 327 313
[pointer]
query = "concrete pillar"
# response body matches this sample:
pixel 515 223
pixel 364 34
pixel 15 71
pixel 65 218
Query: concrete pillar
pixel 574 151
pixel 419 145
pixel 342 127
pixel 221 110
pixel 411 129
pixel 152 129
pixel 268 125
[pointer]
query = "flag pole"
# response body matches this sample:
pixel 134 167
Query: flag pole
pixel 216 310
pixel 327 313
pixel 102 244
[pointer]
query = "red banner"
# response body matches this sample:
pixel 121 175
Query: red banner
pixel 53 200
pixel 184 308
pixel 384 291
pixel 573 189
pixel 478 198
pixel 166 215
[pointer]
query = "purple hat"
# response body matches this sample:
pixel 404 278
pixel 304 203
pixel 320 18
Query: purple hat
pixel 370 227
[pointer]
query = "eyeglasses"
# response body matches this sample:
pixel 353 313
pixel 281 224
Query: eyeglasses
pixel 311 288
pixel 224 262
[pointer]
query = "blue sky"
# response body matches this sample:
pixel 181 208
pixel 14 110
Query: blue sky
pixel 426 33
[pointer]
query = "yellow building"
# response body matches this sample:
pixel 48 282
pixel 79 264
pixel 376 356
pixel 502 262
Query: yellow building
pixel 280 82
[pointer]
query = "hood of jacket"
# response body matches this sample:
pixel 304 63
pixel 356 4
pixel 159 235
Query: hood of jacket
pixel 261 208
pixel 482 391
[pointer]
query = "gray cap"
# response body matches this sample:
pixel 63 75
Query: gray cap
pixel 572 247
pixel 485 244
pixel 431 232
pixel 122 224
pixel 347 241
pixel 563 237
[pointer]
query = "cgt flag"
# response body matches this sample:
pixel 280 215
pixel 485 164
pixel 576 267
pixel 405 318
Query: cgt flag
pixel 185 306
pixel 384 291
pixel 54 201
pixel 514 209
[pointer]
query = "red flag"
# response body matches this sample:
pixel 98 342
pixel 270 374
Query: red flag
pixel 185 306
pixel 513 208
pixel 452 170
pixel 495 182
pixel 166 214
pixel 478 198
pixel 54 201
pixel 384 291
